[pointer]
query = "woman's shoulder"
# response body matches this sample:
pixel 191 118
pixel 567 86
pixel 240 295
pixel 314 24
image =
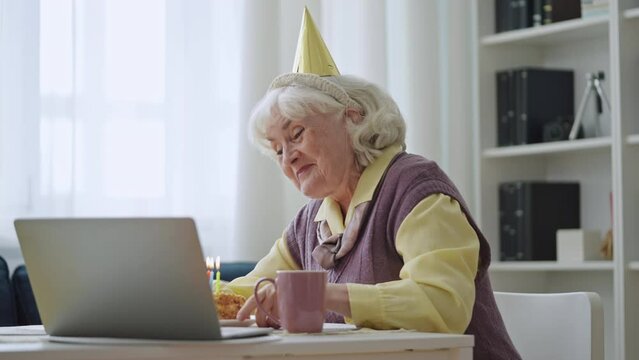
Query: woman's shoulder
pixel 414 176
pixel 412 167
pixel 409 180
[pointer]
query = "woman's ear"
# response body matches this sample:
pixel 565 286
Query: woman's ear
pixel 353 114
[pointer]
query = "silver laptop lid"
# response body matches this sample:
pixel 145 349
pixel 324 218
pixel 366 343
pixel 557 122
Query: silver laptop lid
pixel 128 278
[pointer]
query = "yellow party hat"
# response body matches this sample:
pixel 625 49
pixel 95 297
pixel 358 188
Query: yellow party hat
pixel 314 65
pixel 312 55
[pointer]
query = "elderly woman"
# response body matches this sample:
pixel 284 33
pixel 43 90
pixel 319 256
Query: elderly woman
pixel 390 228
pixel 408 254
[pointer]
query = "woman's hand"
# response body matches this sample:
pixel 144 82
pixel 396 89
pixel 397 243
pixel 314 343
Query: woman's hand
pixel 337 299
pixel 268 299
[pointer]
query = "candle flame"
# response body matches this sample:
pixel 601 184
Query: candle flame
pixel 217 263
pixel 209 263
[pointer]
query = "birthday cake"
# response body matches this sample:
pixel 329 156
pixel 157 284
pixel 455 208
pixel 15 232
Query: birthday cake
pixel 228 304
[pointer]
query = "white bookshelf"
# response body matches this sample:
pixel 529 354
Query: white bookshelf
pixel 604 165
pixel 507 266
pixel 571 30
pixel 631 13
pixel 633 139
pixel 593 144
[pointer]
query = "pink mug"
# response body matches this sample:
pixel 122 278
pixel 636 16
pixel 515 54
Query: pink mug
pixel 300 300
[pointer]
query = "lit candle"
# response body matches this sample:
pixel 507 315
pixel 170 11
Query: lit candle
pixel 209 272
pixel 217 275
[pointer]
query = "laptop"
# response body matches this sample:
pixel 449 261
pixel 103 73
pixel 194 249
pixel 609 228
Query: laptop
pixel 132 278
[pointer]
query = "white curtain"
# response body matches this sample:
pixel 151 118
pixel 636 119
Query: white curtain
pixel 139 107
pixel 19 115
pixel 121 108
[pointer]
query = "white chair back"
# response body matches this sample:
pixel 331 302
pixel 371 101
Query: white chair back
pixel 554 326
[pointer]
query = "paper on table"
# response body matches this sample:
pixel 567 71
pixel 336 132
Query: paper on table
pixel 328 329
pixel 23 330
pixel 338 327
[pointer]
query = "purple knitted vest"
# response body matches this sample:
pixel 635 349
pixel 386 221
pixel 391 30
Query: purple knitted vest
pixel 374 259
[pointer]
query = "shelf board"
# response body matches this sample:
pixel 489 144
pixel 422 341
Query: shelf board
pixel 633 265
pixel 631 13
pixel 548 148
pixel 633 139
pixel 560 32
pixel 551 266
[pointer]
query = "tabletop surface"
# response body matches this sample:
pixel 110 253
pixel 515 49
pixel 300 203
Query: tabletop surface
pixel 334 342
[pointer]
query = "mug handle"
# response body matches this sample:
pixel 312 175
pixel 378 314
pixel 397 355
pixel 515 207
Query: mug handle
pixel 259 302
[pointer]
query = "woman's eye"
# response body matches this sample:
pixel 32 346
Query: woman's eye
pixel 298 132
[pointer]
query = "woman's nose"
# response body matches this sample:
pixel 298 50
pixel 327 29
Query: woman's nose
pixel 290 154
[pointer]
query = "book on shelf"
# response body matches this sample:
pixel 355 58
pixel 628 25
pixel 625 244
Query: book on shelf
pixel 513 15
pixel 521 14
pixel 529 217
pixel 534 105
pixel 553 11
pixel 506 108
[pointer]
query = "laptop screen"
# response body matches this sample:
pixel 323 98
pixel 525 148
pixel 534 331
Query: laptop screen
pixel 119 277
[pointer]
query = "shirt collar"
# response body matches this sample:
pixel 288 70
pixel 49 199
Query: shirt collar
pixel 330 210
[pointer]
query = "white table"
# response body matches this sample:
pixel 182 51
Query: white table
pixel 352 345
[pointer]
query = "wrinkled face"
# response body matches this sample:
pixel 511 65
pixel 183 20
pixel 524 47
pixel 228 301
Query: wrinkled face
pixel 315 153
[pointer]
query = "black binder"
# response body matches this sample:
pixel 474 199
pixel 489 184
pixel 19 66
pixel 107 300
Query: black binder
pixel 520 14
pixel 529 100
pixel 543 96
pixel 513 14
pixel 506 126
pixel 530 213
pixel 503 17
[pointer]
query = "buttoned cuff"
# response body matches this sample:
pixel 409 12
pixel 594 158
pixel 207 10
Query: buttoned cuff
pixel 366 305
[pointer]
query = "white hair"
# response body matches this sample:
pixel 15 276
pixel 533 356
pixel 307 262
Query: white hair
pixel 382 124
